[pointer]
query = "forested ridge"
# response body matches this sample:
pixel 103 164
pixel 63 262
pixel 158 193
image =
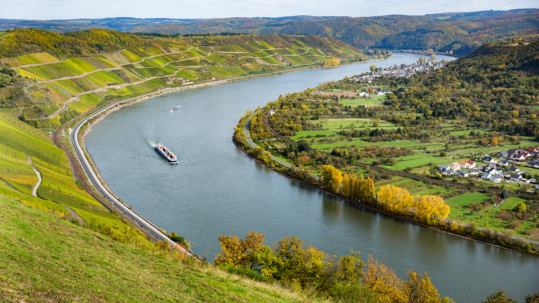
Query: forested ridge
pixel 459 33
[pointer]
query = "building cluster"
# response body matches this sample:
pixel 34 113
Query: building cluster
pixel 500 167
pixel 403 71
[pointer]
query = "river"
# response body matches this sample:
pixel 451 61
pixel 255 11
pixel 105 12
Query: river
pixel 217 190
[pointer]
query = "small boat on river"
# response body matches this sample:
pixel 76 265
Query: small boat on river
pixel 167 154
pixel 175 108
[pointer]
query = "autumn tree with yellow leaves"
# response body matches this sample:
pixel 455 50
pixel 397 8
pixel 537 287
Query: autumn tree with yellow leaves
pixel 332 177
pixel 428 209
pixel 360 189
pixel 300 267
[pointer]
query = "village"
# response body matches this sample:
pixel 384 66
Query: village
pixel 501 166
pixel 402 71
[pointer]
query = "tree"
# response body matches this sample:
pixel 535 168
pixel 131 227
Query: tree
pixel 422 60
pixel 304 146
pixel 375 123
pixel 532 298
pixel 520 207
pixel 501 296
pixel 505 195
pixel 383 281
pixel 433 56
pixel 373 68
pixel 494 141
pixel 443 154
pixel 332 177
pixel 419 289
pixel 238 252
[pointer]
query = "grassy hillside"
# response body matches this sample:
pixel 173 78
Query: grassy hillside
pixel 48 259
pixel 54 77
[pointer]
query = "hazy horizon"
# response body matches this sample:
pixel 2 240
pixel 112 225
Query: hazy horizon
pixel 218 9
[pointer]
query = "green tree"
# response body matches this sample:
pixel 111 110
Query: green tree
pixel 505 195
pixel 304 146
pixel 373 68
pixel 501 296
pixel 443 154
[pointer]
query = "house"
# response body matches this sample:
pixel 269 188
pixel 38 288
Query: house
pixel 531 149
pixel 486 175
pixel 381 93
pixel 501 154
pixel 506 174
pixel 503 163
pixel 449 172
pixel 518 156
pixel 515 177
pixel 471 164
pixel 271 112
pixel 463 164
pixel 513 170
pixel 496 178
pixel 533 163
pixel 488 160
pixel 489 167
pixel 474 171
pixel 462 174
pixel 493 171
pixel 442 167
pixel 454 166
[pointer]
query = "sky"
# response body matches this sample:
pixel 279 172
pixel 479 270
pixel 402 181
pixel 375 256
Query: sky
pixel 187 9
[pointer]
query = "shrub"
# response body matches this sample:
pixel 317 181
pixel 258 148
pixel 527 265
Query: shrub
pixel 515 225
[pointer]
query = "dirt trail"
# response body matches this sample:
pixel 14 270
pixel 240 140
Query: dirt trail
pixel 76 216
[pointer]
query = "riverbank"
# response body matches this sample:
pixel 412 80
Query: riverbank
pixel 513 243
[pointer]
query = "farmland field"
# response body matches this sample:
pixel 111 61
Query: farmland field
pixel 415 162
pixel 364 101
pixel 339 144
pixel 466 199
pixel 232 48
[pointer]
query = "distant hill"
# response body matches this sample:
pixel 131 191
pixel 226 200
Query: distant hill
pixel 59 76
pixel 460 33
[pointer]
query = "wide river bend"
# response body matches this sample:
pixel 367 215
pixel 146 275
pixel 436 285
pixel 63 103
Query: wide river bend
pixel 217 190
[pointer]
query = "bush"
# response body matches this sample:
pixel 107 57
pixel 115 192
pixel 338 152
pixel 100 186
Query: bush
pixel 520 207
pixel 515 225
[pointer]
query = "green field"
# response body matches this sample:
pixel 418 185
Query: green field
pixel 232 48
pixel 416 162
pixel 466 199
pixel 303 134
pixel 70 67
pixel 486 217
pixel 339 144
pixel 300 60
pixel 348 123
pixel 363 101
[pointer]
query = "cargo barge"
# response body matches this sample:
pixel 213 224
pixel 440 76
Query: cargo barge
pixel 167 154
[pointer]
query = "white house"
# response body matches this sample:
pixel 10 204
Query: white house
pixel 486 175
pixel 462 174
pixel 515 177
pixel 496 178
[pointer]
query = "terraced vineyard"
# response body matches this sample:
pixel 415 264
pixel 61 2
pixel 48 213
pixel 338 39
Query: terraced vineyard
pixel 60 87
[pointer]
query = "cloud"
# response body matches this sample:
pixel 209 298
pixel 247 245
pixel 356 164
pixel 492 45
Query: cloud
pixel 74 9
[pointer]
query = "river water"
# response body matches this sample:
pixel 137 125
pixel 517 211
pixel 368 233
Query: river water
pixel 217 190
